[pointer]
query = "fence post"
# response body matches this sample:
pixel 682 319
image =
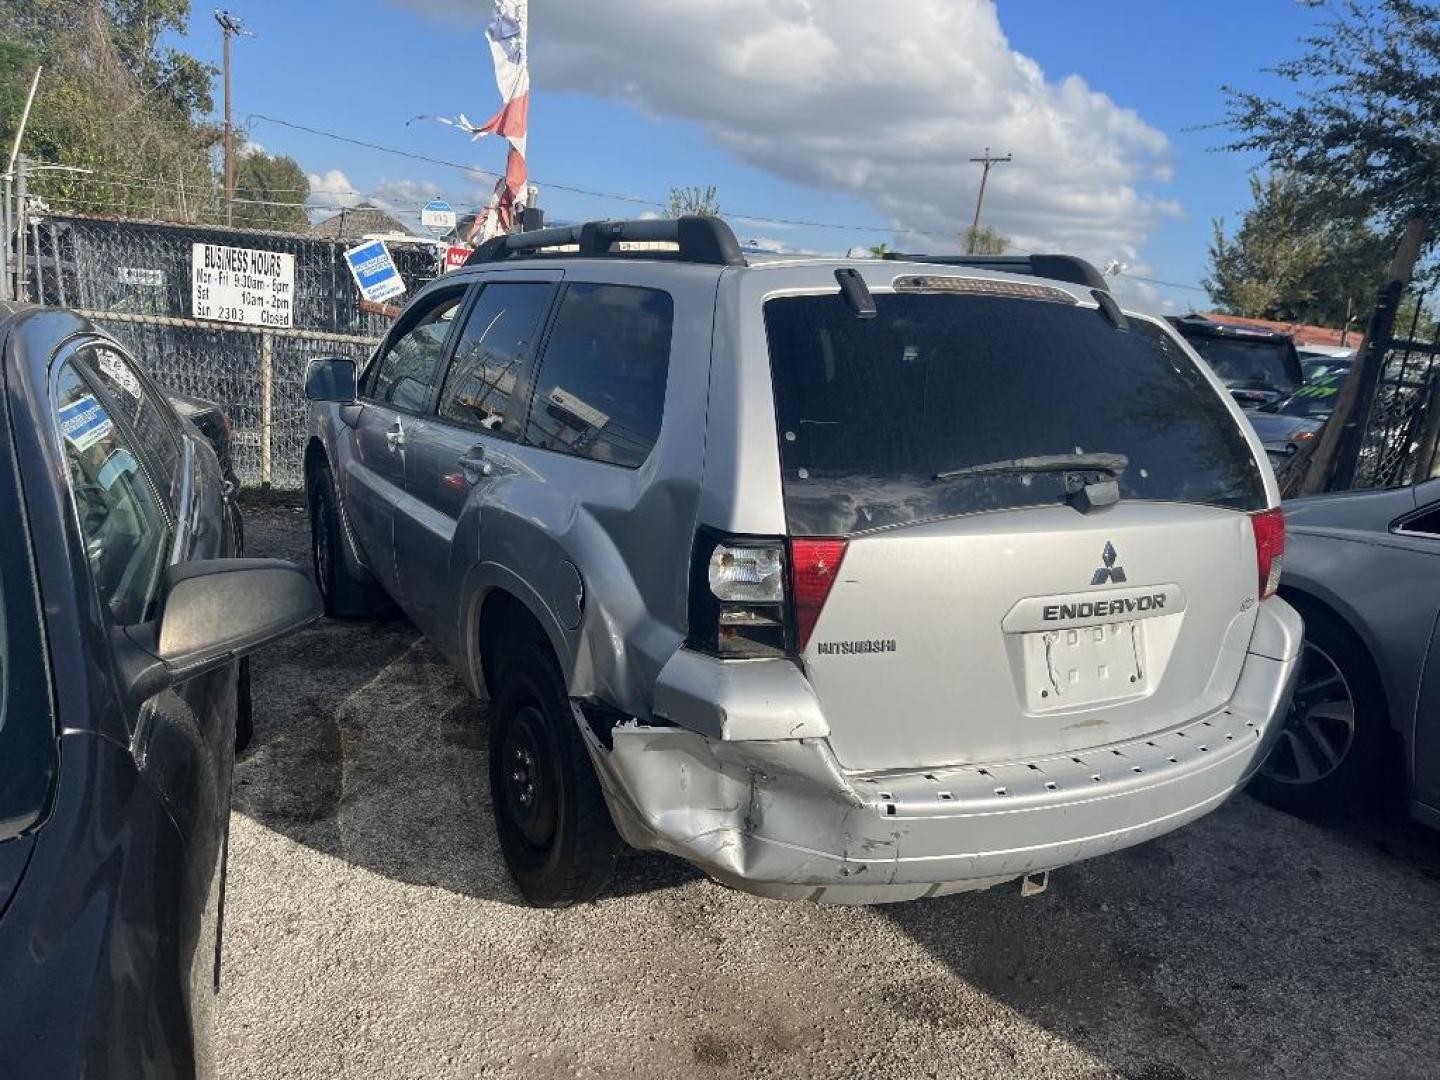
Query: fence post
pixel 22 276
pixel 6 284
pixel 267 357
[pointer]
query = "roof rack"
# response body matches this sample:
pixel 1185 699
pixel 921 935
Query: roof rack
pixel 1069 268
pixel 698 239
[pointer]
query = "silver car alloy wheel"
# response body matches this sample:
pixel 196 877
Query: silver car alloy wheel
pixel 1319 729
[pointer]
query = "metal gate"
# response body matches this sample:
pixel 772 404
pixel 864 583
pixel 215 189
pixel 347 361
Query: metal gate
pixel 1398 443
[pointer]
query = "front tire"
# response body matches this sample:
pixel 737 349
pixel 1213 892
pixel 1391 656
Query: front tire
pixel 555 829
pixel 345 596
pixel 1329 753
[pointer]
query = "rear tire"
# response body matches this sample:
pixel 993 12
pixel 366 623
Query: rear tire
pixel 1329 754
pixel 559 843
pixel 345 596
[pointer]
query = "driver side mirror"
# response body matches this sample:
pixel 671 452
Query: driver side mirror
pixel 215 612
pixel 331 378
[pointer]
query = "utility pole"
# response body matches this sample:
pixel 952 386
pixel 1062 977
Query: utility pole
pixel 230 26
pixel 987 161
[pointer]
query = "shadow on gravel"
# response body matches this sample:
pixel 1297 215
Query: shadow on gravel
pixel 1249 944
pixel 369 747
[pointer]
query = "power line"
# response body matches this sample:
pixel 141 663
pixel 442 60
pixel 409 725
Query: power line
pixel 634 199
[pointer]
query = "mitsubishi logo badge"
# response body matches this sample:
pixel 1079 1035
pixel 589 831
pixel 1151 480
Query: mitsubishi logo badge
pixel 1109 572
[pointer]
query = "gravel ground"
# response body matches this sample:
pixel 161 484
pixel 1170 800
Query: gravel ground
pixel 371 929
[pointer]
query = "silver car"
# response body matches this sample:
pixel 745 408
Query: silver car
pixel 848 580
pixel 1364 568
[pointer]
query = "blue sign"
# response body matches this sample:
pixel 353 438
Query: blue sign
pixel 374 271
pixel 438 216
pixel 84 423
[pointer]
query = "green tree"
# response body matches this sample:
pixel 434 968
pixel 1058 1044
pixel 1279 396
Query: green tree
pixel 1364 120
pixel 111 101
pixel 693 200
pixel 983 241
pixel 879 250
pixel 270 192
pixel 1294 258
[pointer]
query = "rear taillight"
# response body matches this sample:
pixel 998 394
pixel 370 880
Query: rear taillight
pixel 1269 528
pixel 814 566
pixel 758 596
pixel 737 595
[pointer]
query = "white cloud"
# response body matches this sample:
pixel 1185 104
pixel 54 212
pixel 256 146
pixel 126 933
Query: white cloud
pixel 329 193
pixel 887 102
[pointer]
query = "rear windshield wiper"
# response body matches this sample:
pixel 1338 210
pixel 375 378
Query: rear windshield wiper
pixel 1114 464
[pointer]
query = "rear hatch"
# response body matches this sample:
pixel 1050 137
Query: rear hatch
pixel 983 617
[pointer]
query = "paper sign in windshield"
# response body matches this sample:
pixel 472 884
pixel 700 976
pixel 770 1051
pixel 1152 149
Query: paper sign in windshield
pixel 84 423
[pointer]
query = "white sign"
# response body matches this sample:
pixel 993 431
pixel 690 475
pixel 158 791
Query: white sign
pixel 242 285
pixel 141 275
pixel 374 271
pixel 437 216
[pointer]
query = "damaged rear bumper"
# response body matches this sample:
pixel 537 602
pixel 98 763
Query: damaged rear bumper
pixel 779 817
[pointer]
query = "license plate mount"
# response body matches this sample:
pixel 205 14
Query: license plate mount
pixel 1071 667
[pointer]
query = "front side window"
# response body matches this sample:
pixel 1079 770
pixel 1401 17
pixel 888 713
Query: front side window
pixel 600 392
pixel 873 412
pixel 407 370
pixel 496 339
pixel 124 528
pixel 138 408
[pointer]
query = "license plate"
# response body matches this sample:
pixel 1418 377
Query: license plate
pixel 1084 665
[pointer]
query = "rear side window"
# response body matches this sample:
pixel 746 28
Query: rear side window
pixel 410 365
pixel 138 407
pixel 870 410
pixel 496 339
pixel 600 392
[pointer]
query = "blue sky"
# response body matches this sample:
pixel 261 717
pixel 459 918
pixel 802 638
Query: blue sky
pixel 365 72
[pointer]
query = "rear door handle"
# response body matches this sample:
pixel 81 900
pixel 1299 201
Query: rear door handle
pixel 395 437
pixel 474 464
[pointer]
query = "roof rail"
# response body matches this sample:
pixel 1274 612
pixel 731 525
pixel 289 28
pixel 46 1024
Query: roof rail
pixel 1069 268
pixel 699 240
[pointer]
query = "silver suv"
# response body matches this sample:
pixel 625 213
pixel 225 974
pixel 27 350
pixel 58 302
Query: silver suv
pixel 846 580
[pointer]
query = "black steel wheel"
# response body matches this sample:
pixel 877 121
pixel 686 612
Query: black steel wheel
pixel 1327 756
pixel 554 827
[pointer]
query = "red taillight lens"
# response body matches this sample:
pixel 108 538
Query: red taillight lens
pixel 814 566
pixel 1269 528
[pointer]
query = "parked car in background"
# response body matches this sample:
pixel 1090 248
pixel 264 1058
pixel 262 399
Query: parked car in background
pixel 1257 366
pixel 1287 425
pixel 1317 361
pixel 124 614
pixel 846 580
pixel 1363 567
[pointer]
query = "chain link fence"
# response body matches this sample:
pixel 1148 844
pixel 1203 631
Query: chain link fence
pixel 1399 444
pixel 133 279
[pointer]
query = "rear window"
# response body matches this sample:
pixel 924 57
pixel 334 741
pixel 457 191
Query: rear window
pixel 870 410
pixel 1260 365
